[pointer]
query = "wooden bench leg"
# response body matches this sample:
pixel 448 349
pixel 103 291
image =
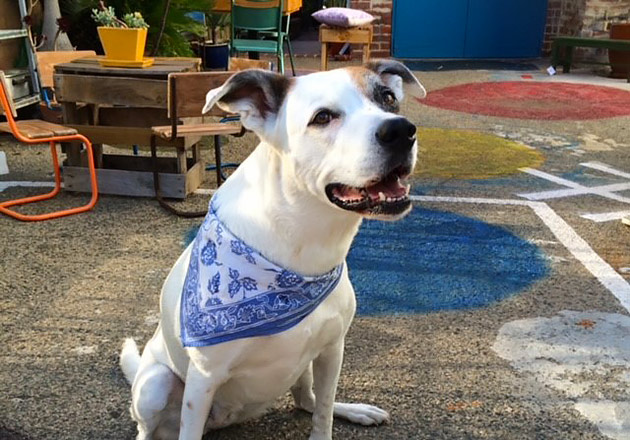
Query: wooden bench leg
pixel 324 63
pixel 196 152
pixel 555 55
pixel 366 52
pixel 182 166
pixel 568 59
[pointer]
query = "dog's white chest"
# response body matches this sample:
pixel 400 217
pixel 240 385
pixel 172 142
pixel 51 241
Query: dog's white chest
pixel 262 369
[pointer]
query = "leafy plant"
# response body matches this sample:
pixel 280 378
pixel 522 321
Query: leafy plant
pixel 106 17
pixel 214 21
pixel 178 26
pixel 135 21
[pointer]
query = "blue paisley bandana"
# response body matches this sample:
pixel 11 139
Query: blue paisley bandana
pixel 231 291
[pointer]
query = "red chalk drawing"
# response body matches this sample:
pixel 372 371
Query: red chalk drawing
pixel 533 100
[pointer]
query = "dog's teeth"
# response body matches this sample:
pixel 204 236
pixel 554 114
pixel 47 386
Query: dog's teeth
pixel 381 197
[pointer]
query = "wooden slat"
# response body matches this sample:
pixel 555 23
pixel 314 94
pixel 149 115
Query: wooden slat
pixel 159 70
pixel 37 129
pixel 345 35
pixel 237 64
pixel 134 183
pixel 593 42
pixel 130 92
pixel 191 89
pixel 46 63
pixel 130 136
pixel 198 130
pixel 132 116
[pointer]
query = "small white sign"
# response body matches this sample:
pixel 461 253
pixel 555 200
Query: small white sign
pixel 4 168
pixel 551 71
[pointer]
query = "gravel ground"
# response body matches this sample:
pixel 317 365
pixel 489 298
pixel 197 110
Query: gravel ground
pixel 72 289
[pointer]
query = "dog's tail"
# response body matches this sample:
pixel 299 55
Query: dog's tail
pixel 129 359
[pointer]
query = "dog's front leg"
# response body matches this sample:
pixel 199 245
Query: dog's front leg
pixel 326 369
pixel 198 395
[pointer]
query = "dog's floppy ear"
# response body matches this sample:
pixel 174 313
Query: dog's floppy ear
pixel 394 74
pixel 256 95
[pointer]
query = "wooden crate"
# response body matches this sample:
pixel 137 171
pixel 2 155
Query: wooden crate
pixel 120 176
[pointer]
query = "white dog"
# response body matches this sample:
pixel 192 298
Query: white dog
pixel 260 303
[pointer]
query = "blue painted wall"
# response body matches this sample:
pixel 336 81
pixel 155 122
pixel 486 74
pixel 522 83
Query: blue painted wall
pixel 468 28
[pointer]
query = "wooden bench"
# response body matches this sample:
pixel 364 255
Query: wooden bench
pixel 569 43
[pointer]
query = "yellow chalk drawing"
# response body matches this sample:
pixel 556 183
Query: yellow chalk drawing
pixel 463 154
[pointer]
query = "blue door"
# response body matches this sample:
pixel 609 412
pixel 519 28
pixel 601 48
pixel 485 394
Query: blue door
pixel 468 28
pixel 422 29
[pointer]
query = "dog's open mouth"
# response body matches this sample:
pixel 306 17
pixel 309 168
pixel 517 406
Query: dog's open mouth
pixel 386 196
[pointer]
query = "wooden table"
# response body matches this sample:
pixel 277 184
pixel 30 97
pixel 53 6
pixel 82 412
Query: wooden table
pixel 118 106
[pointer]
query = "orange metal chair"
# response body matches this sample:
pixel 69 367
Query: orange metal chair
pixel 40 132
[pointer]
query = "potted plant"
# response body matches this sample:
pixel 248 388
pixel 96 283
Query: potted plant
pixel 215 49
pixel 123 40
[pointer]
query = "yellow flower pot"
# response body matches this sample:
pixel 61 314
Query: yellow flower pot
pixel 123 45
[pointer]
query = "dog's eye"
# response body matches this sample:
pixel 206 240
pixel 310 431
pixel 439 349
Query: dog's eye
pixel 322 117
pixel 389 98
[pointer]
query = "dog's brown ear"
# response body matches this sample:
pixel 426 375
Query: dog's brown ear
pixel 394 74
pixel 254 94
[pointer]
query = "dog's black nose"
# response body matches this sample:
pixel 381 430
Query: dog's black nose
pixel 397 134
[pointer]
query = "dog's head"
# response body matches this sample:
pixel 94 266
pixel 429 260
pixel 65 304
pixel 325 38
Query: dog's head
pixel 338 131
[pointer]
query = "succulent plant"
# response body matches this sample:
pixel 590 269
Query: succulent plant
pixel 106 16
pixel 135 20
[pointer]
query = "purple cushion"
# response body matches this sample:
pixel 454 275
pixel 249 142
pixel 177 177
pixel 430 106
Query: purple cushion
pixel 342 17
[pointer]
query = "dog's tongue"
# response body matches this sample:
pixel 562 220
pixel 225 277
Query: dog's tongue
pixel 389 187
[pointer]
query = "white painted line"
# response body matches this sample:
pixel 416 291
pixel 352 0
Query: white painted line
pixel 570 184
pixel 580 249
pixel 4 168
pixel 605 168
pixel 606 216
pixel 10 184
pixel 575 353
pixel 558 193
pixel 566 235
pixel 470 200
pixel 551 178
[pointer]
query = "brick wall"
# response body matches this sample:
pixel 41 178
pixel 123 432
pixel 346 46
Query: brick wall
pixel 382 10
pixel 564 17
pixel 584 18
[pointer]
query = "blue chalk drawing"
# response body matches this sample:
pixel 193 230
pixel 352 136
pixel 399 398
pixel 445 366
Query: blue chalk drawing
pixel 434 260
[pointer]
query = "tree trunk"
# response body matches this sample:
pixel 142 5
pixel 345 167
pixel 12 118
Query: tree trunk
pixel 50 28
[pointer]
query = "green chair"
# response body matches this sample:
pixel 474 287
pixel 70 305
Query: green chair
pixel 257 27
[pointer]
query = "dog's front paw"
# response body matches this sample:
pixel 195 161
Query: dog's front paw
pixel 361 413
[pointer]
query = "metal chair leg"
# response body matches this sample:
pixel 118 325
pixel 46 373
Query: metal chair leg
pixel 4 207
pixel 290 55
